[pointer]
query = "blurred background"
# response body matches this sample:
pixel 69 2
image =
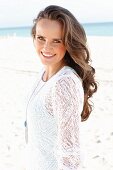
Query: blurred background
pixel 19 66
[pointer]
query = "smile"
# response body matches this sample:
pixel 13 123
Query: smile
pixel 47 55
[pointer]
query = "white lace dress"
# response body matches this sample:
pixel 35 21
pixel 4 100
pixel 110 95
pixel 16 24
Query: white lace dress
pixel 53 119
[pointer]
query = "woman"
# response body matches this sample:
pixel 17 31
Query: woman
pixel 60 100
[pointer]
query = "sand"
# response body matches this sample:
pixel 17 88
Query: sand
pixel 19 66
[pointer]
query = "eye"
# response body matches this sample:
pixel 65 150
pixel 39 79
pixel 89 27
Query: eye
pixel 40 38
pixel 57 41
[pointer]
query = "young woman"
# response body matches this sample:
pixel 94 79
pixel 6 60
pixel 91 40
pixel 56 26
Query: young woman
pixel 60 100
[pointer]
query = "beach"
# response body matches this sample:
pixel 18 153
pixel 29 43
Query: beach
pixel 19 66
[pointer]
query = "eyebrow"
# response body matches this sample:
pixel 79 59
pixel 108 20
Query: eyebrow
pixel 53 38
pixel 57 39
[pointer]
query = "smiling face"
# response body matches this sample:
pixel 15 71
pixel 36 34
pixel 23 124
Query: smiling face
pixel 48 42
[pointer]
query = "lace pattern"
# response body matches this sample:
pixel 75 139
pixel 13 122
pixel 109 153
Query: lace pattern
pixel 68 103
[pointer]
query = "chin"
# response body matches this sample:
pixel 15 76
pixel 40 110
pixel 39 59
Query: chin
pixel 44 62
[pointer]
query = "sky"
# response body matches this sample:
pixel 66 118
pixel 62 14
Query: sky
pixel 14 13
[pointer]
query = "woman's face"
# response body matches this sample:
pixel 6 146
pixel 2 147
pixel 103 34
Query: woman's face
pixel 48 42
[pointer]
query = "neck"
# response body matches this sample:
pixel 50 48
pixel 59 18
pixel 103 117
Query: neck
pixel 50 71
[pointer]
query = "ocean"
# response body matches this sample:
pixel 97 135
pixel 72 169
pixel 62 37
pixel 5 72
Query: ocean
pixel 93 29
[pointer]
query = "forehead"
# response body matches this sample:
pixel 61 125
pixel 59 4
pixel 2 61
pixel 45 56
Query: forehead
pixel 47 27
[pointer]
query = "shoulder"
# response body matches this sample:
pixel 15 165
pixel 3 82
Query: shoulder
pixel 67 84
pixel 69 77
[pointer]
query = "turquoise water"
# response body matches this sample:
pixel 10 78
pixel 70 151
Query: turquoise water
pixel 94 29
pixel 99 29
pixel 15 31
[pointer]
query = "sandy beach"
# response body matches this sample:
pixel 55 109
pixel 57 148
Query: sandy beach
pixel 19 66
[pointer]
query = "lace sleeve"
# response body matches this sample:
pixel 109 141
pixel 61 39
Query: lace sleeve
pixel 68 104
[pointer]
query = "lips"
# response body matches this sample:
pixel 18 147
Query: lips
pixel 47 55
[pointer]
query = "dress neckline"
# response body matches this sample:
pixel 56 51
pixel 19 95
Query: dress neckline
pixel 59 71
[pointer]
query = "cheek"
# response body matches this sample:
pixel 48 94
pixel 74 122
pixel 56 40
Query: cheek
pixel 62 50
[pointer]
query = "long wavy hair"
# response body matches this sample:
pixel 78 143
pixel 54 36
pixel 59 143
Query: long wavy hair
pixel 77 54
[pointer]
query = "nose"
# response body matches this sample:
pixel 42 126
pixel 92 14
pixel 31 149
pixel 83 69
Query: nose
pixel 47 46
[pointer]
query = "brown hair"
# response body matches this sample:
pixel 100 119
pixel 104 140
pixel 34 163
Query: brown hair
pixel 77 54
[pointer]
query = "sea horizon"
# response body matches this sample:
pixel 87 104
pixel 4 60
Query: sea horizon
pixel 93 29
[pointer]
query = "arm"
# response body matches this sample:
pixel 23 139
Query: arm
pixel 68 103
